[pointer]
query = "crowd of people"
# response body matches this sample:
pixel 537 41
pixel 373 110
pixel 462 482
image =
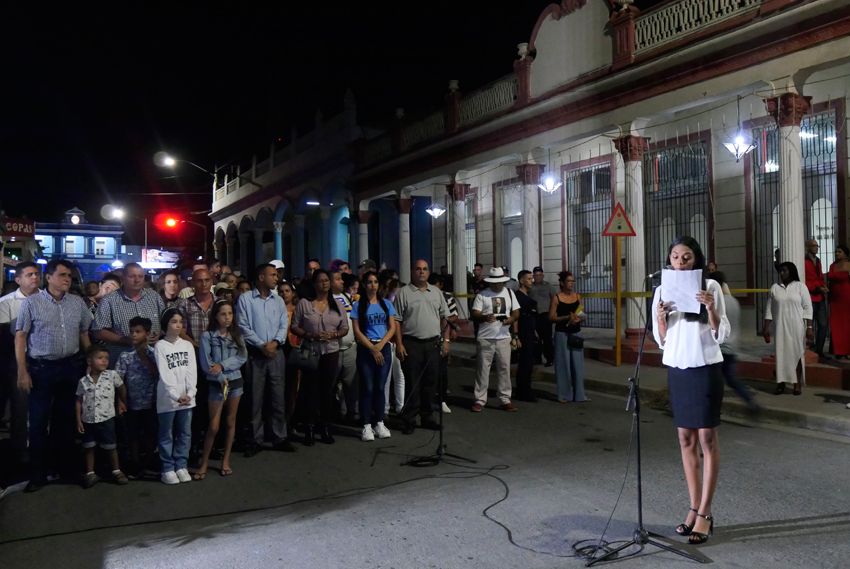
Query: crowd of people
pixel 149 372
pixel 160 374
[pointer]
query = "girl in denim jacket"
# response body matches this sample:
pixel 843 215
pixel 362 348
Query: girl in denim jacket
pixel 222 355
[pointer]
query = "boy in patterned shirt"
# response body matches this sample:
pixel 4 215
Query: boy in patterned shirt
pixel 138 371
pixel 96 412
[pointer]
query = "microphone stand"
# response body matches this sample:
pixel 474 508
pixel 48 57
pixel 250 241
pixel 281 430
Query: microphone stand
pixel 438 456
pixel 641 536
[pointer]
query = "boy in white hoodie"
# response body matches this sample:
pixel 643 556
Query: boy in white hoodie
pixel 175 398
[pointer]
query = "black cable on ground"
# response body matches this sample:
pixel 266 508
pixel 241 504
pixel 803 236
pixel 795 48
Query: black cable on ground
pixel 583 549
pixel 459 475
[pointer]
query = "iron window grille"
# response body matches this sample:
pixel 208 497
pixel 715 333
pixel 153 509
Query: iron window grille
pixel 588 192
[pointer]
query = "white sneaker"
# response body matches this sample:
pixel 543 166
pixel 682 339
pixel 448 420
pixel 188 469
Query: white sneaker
pixel 446 408
pixel 170 478
pixel 382 431
pixel 183 475
pixel 368 434
pixel 848 405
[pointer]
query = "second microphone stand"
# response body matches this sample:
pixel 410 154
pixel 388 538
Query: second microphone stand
pixel 440 453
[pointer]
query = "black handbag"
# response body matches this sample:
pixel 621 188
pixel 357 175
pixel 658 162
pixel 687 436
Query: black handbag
pixel 576 342
pixel 304 357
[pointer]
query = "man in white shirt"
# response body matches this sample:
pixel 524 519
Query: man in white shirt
pixel 496 309
pixel 28 277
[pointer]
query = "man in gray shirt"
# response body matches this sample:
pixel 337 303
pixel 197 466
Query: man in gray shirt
pixel 512 283
pixel 421 312
pixel 542 292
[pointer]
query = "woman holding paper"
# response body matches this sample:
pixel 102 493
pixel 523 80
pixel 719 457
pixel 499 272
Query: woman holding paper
pixel 691 343
pixel 789 309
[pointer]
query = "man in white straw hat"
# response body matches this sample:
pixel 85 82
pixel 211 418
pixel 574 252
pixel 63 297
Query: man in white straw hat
pixel 496 309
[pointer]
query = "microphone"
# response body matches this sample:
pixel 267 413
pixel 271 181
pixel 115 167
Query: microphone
pixel 657 273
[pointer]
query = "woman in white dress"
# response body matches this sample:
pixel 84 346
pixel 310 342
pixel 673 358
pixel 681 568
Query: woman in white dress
pixel 789 309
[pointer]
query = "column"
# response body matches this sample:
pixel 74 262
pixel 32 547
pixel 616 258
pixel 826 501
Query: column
pixel 231 252
pixel 459 266
pixel 350 255
pixel 404 205
pixel 529 175
pixel 278 240
pixel 258 247
pixel 363 233
pixel 522 69
pixel 788 110
pixel 243 253
pixel 623 37
pixel 631 150
pixel 327 235
pixel 300 261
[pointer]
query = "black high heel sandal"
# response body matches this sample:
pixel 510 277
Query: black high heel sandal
pixel 684 529
pixel 697 538
pixel 780 389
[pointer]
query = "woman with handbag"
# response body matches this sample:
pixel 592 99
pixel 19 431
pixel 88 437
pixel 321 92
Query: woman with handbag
pixel 374 325
pixel 320 323
pixel 567 314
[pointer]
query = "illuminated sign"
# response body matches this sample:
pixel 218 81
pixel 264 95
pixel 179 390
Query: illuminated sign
pixel 18 227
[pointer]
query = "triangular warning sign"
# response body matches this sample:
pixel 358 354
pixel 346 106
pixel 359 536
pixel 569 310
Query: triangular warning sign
pixel 619 224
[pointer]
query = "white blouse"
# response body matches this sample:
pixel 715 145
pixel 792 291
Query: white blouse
pixel 692 344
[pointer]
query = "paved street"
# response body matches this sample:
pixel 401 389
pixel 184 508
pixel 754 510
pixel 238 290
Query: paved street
pixel 782 500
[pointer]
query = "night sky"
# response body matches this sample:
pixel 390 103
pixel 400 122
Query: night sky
pixel 93 90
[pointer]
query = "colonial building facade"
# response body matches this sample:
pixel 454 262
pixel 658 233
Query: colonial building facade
pixel 617 106
pixel 96 249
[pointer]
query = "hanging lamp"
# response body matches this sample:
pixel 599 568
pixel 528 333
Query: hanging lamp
pixel 739 143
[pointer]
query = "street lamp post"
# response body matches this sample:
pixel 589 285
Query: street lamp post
pixel 162 159
pixel 202 226
pixel 111 213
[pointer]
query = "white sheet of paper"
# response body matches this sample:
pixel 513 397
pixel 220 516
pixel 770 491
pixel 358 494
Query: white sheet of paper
pixel 681 288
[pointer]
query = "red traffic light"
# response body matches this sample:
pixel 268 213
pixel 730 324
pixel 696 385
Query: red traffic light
pixel 167 221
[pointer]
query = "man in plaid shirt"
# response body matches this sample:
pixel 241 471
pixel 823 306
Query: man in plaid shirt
pixel 112 323
pixel 196 308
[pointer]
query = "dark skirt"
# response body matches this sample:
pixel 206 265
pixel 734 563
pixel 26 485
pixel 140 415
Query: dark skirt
pixel 696 395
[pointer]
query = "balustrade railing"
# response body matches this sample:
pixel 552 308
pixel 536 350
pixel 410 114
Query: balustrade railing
pixel 232 186
pixel 219 194
pixel 429 127
pixel 377 149
pixel 679 19
pixel 487 101
pixel 262 167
